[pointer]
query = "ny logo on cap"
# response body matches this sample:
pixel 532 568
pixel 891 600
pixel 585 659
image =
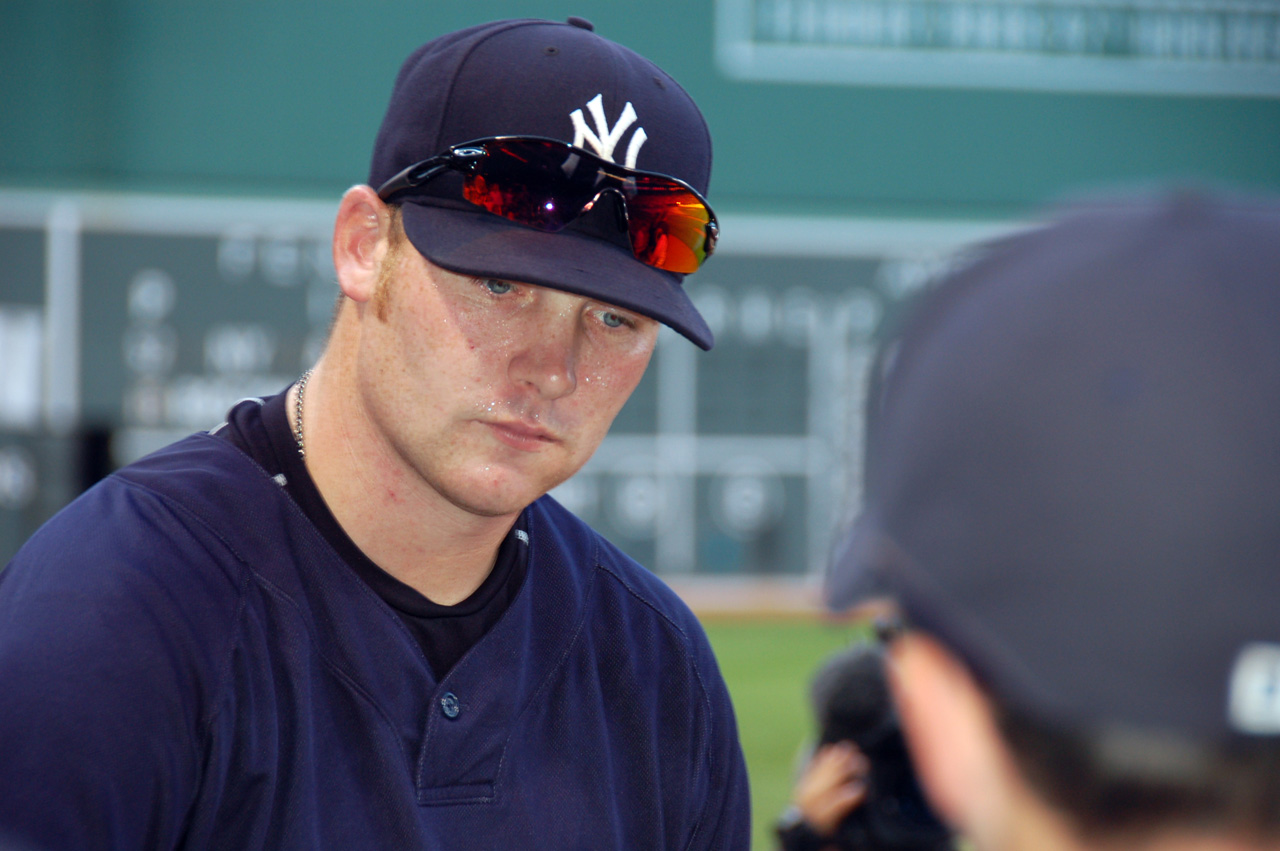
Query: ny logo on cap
pixel 604 139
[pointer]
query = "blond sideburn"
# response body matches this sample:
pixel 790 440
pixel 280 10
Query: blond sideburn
pixel 396 240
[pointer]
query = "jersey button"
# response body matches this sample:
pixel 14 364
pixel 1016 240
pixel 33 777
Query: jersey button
pixel 449 705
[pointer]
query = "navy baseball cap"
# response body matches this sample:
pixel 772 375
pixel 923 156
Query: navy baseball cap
pixel 1073 468
pixel 558 81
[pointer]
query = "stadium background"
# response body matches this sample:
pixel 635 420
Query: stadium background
pixel 169 170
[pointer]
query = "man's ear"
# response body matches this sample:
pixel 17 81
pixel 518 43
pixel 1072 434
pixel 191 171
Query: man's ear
pixel 962 762
pixel 361 237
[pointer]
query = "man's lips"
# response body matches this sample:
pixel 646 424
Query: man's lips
pixel 523 436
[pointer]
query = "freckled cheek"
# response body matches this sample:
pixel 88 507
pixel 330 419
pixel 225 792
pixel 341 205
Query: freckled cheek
pixel 612 383
pixel 481 376
pixel 489 339
pixel 461 334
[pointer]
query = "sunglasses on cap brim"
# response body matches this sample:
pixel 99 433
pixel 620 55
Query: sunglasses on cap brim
pixel 546 184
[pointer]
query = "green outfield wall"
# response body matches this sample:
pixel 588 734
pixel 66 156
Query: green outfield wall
pixel 880 107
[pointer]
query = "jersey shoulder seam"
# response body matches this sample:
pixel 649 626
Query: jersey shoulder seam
pixel 690 654
pixel 236 624
pixel 177 507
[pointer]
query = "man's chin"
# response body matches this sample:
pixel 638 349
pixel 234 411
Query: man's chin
pixel 501 496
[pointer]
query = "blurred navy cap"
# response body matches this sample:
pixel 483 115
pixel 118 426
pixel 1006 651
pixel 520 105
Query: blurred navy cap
pixel 1073 467
pixel 555 80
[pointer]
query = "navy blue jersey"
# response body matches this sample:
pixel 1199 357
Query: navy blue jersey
pixel 187 663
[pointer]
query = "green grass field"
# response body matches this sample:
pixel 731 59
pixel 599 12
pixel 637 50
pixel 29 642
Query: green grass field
pixel 767 664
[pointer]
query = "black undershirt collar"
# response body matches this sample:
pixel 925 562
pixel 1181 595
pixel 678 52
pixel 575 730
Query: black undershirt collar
pixel 261 429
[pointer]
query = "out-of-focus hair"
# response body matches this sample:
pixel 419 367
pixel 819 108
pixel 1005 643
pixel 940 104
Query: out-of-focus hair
pixel 1121 782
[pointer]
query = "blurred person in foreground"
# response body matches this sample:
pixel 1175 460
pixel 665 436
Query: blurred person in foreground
pixel 857 790
pixel 349 617
pixel 1073 496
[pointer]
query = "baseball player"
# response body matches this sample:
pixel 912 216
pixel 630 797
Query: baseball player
pixel 1072 483
pixel 350 617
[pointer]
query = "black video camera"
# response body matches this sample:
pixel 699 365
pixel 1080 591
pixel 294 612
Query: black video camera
pixel 851 701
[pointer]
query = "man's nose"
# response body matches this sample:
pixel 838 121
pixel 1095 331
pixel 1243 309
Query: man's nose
pixel 548 359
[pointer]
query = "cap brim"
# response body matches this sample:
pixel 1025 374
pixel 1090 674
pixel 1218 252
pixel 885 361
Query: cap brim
pixel 855 573
pixel 473 242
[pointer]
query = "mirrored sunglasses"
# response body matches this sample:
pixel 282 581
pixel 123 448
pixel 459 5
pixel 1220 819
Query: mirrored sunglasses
pixel 546 184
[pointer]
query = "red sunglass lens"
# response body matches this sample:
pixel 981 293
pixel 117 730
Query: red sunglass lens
pixel 513 201
pixel 668 225
pixel 528 181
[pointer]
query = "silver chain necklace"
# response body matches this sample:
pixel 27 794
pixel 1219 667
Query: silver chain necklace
pixel 297 409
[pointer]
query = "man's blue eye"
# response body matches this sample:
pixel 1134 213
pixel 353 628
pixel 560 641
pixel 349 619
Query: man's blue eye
pixel 613 320
pixel 498 287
